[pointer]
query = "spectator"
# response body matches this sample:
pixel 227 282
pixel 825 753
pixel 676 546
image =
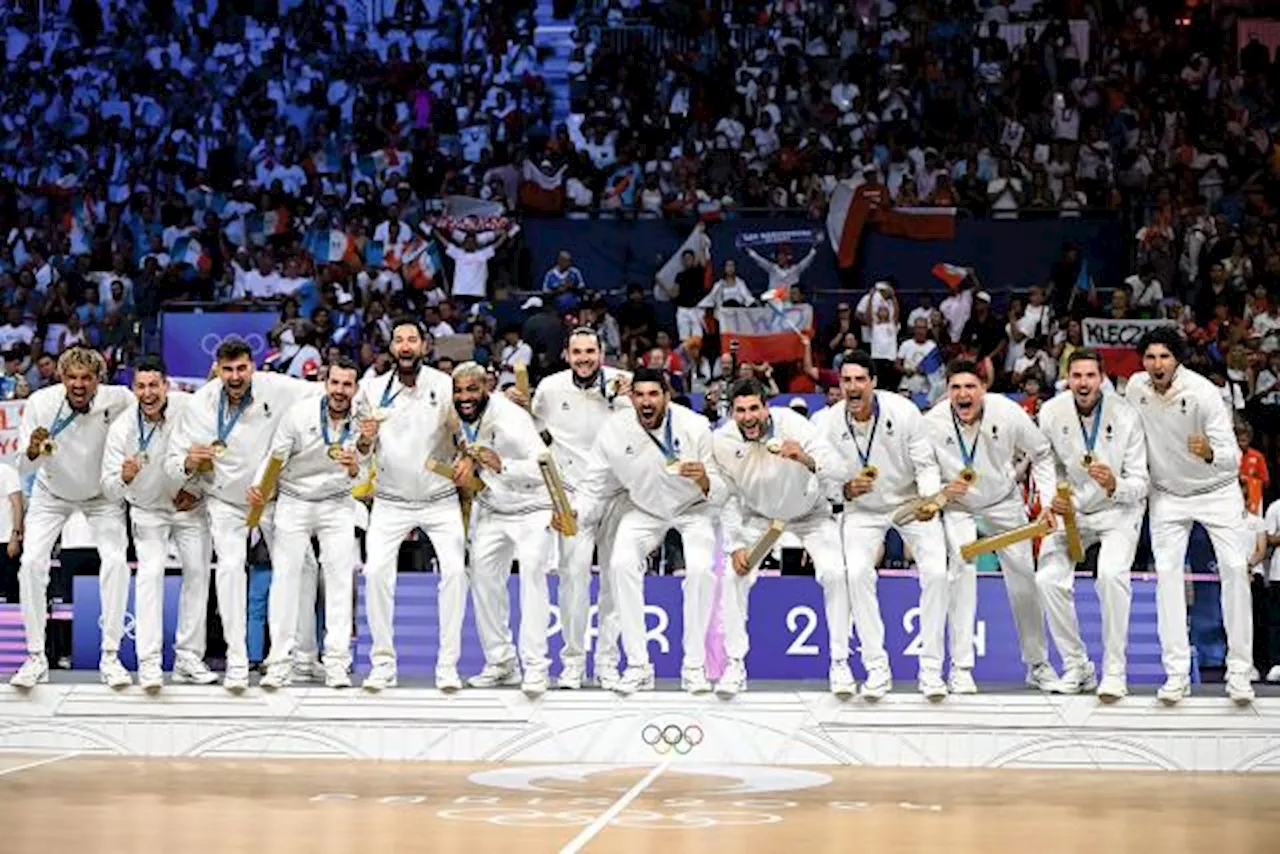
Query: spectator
pixel 563 284
pixel 471 265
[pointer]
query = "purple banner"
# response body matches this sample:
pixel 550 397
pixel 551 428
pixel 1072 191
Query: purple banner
pixel 191 338
pixel 788 633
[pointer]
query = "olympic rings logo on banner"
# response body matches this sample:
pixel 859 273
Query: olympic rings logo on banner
pixel 210 341
pixel 664 739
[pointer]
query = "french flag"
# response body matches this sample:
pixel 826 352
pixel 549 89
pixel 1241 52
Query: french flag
pixel 330 247
pixel 951 274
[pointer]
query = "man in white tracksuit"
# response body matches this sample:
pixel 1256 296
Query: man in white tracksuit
pixel 570 406
pixel 1099 442
pixel 1194 462
pixel 220 441
pixel 886 442
pixel 977 438
pixel 63 434
pixel 403 421
pixel 498 443
pixel 316 443
pixel 778 467
pixel 163 510
pixel 661 454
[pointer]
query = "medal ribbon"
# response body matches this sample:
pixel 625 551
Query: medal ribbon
pixel 145 436
pixel 62 422
pixel 387 397
pixel 1091 436
pixel 668 445
pixel 966 453
pixel 875 422
pixel 227 424
pixel 324 425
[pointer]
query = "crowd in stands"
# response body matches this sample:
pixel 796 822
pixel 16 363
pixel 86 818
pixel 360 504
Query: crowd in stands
pixel 356 173
pixel 283 154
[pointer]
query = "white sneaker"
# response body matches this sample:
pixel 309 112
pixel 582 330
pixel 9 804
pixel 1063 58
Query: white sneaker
pixel 607 676
pixel 1042 676
pixel 151 677
pixel 337 677
pixel 191 672
pixel 448 681
pixel 879 682
pixel 113 674
pixel 733 681
pixel 308 671
pixel 961 681
pixel 277 676
pixel 571 673
pixel 1175 688
pixel 34 671
pixel 931 685
pixel 236 679
pixel 1077 679
pixel 635 679
pixel 842 681
pixel 693 680
pixel 381 677
pixel 535 684
pixel 1239 688
pixel 1254 675
pixel 496 675
pixel 1273 675
pixel 1112 688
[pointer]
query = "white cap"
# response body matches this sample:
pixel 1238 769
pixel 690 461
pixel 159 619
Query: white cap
pixel 798 403
pixel 982 295
pixel 532 302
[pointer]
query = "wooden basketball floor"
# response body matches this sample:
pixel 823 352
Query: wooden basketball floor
pixel 87 805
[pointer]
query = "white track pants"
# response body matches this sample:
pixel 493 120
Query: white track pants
pixel 497 539
pixel 1118 530
pixel 389 523
pixel 820 535
pixel 863 534
pixel 231 542
pixel 639 534
pixel 574 595
pixel 296 522
pixel 1018 567
pixel 153 531
pixel 46 515
pixel 1221 512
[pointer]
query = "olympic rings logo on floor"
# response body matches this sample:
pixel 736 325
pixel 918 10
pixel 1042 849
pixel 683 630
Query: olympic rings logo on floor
pixel 665 739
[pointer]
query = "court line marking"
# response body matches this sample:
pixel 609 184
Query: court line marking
pixel 602 821
pixel 48 760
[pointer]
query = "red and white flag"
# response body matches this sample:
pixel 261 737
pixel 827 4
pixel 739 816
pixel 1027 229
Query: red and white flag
pixel 853 210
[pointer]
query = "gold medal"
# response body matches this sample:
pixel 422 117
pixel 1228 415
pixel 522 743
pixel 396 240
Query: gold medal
pixel 335 451
pixel 673 466
pixel 48 447
pixel 870 472
pixel 968 475
pixel 142 458
pixel 380 414
pixel 1088 459
pixel 773 446
pixel 219 447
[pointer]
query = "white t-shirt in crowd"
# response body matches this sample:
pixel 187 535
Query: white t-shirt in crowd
pixel 471 271
pixel 912 354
